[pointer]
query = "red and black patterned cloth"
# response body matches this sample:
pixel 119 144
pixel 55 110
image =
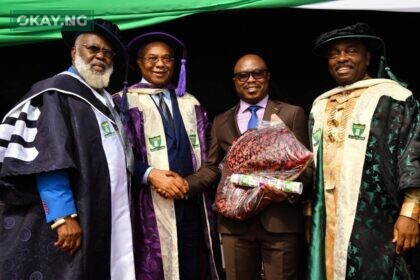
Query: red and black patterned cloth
pixel 268 151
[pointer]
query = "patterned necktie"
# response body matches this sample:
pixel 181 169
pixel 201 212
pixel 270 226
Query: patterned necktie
pixel 253 120
pixel 165 110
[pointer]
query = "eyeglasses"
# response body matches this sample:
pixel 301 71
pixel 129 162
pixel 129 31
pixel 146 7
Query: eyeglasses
pixel 92 49
pixel 258 74
pixel 155 59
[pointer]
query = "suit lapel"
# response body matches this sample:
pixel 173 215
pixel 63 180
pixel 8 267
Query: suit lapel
pixel 232 122
pixel 271 108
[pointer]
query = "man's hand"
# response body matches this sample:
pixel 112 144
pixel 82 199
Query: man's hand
pixel 274 193
pixel 69 236
pixel 406 234
pixel 169 184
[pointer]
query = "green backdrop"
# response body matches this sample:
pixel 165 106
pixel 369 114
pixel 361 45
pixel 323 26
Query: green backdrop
pixel 128 14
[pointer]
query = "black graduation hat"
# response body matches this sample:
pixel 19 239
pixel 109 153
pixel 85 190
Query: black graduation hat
pixel 362 32
pixel 359 31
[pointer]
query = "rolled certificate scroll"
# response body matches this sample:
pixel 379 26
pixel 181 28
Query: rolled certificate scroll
pixel 253 181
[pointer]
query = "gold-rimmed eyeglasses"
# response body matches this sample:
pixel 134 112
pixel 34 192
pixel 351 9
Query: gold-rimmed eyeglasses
pixel 155 59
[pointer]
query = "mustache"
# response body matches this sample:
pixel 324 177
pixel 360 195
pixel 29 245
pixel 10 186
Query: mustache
pixel 98 63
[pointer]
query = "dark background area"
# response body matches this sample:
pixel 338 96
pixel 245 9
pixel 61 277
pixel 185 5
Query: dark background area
pixel 284 37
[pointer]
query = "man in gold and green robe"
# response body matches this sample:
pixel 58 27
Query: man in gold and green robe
pixel 366 135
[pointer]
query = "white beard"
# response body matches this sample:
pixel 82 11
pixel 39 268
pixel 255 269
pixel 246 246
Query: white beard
pixel 93 78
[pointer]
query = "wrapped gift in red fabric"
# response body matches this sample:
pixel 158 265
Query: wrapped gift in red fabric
pixel 270 151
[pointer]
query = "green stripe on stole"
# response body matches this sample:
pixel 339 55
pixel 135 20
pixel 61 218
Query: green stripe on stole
pixel 316 263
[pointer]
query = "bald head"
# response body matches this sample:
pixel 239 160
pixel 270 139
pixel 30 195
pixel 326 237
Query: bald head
pixel 249 61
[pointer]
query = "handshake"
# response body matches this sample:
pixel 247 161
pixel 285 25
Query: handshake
pixel 168 184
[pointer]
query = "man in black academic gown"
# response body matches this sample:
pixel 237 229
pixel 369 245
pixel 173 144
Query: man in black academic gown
pixel 64 170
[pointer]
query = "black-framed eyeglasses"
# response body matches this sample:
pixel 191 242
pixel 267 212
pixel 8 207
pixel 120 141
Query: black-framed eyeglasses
pixel 92 49
pixel 258 74
pixel 155 59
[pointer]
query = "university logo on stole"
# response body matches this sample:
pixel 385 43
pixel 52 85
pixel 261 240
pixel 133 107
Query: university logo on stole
pixel 193 139
pixel 106 129
pixel 357 129
pixel 156 143
pixel 316 136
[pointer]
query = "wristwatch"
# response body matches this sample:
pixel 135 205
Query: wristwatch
pixel 60 221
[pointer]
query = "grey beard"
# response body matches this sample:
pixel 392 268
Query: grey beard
pixel 92 77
